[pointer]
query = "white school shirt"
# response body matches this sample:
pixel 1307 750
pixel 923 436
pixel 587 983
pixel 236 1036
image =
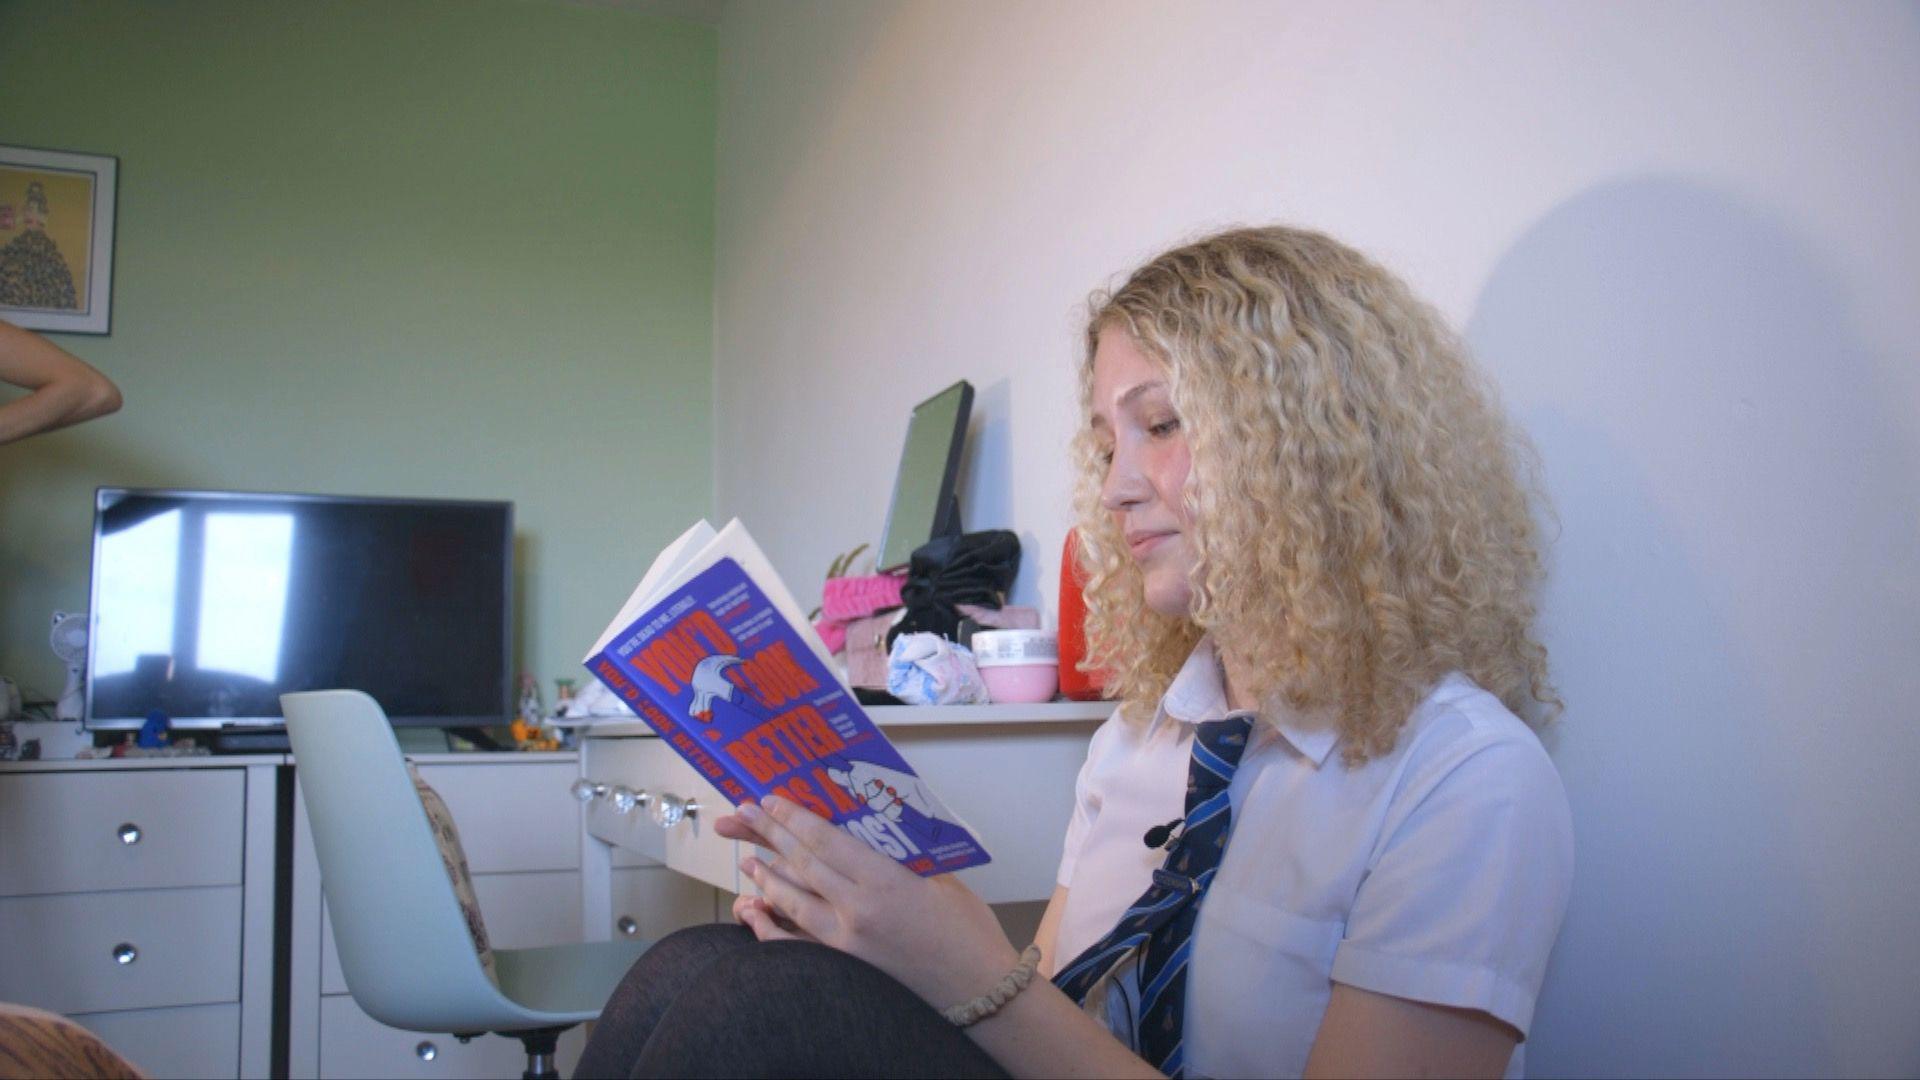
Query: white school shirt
pixel 1438 872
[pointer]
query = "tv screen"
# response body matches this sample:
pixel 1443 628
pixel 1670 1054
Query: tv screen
pixel 923 506
pixel 207 606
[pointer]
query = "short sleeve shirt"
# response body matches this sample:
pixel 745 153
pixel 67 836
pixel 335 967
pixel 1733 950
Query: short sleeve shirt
pixel 1438 872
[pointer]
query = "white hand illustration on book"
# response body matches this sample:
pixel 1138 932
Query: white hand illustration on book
pixel 709 681
pixel 887 792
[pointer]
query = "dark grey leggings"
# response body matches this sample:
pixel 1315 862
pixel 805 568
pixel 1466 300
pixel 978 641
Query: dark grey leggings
pixel 713 1001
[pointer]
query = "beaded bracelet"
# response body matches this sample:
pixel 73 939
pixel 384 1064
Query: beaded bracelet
pixel 1003 991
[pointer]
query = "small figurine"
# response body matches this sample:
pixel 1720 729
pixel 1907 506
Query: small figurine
pixel 562 696
pixel 528 727
pixel 154 733
pixel 530 708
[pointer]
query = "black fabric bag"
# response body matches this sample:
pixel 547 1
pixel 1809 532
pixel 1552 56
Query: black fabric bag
pixel 970 568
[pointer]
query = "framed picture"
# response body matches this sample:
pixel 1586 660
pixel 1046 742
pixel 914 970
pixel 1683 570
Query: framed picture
pixel 56 239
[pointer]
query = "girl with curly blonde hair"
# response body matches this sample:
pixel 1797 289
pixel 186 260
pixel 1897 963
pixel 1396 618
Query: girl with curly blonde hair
pixel 1359 524
pixel 1304 528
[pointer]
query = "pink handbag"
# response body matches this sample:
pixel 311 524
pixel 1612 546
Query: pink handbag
pixel 858 597
pixel 1006 618
pixel 867 650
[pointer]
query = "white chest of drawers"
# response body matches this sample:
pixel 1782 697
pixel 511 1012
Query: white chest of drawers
pixel 1008 770
pixel 137 896
pixel 141 898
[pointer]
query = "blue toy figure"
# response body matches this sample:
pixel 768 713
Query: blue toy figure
pixel 153 733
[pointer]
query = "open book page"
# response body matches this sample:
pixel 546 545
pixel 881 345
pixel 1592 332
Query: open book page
pixel 682 561
pixel 671 558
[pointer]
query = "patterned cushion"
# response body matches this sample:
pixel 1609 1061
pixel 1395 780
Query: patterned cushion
pixel 36 1043
pixel 447 835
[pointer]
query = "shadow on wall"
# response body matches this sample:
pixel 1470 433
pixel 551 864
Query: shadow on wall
pixel 1734 492
pixel 985 488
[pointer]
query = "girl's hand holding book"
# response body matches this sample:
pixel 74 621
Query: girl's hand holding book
pixel 934 935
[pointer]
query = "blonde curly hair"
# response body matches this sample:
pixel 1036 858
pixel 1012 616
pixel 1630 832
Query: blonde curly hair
pixel 1361 508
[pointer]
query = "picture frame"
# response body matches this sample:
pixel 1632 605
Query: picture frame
pixel 56 239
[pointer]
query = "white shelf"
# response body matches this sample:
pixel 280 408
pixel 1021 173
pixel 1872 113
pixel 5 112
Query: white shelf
pixel 232 761
pixel 494 757
pixel 128 764
pixel 895 716
pixel 1052 712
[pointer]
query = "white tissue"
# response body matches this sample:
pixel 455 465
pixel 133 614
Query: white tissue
pixel 927 669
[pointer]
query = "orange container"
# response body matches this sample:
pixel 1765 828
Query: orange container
pixel 1073 629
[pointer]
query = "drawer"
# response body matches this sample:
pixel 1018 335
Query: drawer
pixel 100 831
pixel 199 1040
pixel 512 817
pixel 640 764
pixel 621 858
pixel 650 902
pixel 693 848
pixel 649 765
pixel 60 950
pixel 521 911
pixel 353 1044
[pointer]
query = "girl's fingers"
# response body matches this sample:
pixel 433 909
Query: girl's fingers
pixel 805 864
pixel 806 910
pixel 735 826
pixel 756 916
pixel 742 905
pixel 770 863
pixel 825 844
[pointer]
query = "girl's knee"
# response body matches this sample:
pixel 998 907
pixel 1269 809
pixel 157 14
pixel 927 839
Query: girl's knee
pixel 802 965
pixel 706 936
pixel 691 949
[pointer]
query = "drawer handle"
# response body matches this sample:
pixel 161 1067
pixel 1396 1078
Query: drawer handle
pixel 624 799
pixel 588 790
pixel 670 810
pixel 627 927
pixel 129 834
pixel 426 1051
pixel 124 954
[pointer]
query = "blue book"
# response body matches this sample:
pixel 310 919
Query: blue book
pixel 711 654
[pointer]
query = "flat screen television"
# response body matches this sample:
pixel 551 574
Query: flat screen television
pixel 924 505
pixel 208 605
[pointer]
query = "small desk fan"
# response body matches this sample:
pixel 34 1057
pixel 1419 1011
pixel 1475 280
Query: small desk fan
pixel 70 645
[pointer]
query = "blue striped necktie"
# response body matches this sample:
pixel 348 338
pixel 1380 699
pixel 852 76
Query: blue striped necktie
pixel 1160 923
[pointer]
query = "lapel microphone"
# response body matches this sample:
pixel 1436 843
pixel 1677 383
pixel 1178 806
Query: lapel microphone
pixel 1162 835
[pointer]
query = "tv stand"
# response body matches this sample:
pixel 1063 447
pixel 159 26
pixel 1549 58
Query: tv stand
pixel 273 740
pixel 250 740
pixel 139 900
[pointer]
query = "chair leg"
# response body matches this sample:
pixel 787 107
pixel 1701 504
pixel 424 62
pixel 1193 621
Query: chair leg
pixel 541 1043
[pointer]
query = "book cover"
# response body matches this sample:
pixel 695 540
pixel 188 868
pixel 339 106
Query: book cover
pixel 719 670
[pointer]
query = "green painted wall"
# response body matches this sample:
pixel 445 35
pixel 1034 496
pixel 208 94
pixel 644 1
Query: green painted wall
pixel 457 249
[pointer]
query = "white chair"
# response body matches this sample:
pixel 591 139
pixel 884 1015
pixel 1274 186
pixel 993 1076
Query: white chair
pixel 405 948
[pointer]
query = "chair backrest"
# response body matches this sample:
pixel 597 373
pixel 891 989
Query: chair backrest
pixel 403 942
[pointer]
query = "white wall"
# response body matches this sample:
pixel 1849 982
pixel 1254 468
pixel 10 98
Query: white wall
pixel 1683 238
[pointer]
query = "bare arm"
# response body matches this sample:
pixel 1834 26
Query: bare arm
pixel 1049 931
pixel 1042 1032
pixel 1369 1034
pixel 62 388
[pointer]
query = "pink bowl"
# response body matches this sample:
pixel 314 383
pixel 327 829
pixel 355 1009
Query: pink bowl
pixel 1021 684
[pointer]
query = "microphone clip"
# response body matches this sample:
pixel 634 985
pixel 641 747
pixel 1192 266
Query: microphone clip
pixel 1166 835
